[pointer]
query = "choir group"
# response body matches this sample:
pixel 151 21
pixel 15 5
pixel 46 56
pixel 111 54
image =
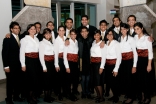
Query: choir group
pixel 121 57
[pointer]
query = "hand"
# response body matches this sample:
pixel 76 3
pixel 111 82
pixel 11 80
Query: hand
pixel 149 68
pixel 67 70
pixel 133 70
pixel 57 69
pixel 45 71
pixel 150 38
pixel 67 42
pixel 115 73
pixel 7 70
pixel 100 71
pixel 24 68
pixel 7 35
pixel 102 44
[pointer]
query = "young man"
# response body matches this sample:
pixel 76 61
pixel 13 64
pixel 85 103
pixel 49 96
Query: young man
pixel 68 25
pixel 11 63
pixel 85 22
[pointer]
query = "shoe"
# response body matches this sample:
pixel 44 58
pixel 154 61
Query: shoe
pixel 147 101
pixel 89 96
pixel 60 98
pixel 100 100
pixel 18 99
pixel 8 101
pixel 124 102
pixel 76 92
pixel 73 98
pixel 111 99
pixel 115 100
pixel 83 96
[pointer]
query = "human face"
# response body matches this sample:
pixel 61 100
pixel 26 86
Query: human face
pixel 15 30
pixel 73 35
pixel 69 24
pixel 84 33
pixel 61 32
pixel 47 36
pixel 38 28
pixel 97 37
pixel 32 30
pixel 110 36
pixel 103 26
pixel 84 21
pixel 131 21
pixel 50 26
pixel 138 30
pixel 124 31
pixel 116 22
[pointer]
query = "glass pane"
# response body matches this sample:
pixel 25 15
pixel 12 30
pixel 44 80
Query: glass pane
pixel 15 7
pixel 79 11
pixel 53 8
pixel 65 12
pixel 91 14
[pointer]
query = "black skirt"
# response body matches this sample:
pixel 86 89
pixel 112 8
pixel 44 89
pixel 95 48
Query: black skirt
pixel 97 79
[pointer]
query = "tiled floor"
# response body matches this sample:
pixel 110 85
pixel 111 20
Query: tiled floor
pixel 80 101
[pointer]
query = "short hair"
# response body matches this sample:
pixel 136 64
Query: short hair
pixel 103 21
pixel 12 24
pixel 131 16
pixel 29 26
pixel 116 17
pixel 68 19
pixel 84 27
pixel 73 30
pixel 50 22
pixel 97 32
pixel 85 17
pixel 61 27
pixel 38 23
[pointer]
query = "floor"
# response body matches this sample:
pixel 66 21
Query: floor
pixel 66 101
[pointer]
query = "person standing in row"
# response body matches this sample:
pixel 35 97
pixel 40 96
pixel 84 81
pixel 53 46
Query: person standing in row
pixel 127 70
pixel 113 60
pixel 97 63
pixel 68 26
pixel 29 59
pixel 11 63
pixel 144 66
pixel 71 64
pixel 59 65
pixel 46 55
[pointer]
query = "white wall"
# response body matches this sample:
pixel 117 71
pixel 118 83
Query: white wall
pixel 5 19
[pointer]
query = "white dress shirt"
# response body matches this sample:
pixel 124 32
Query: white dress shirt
pixel 113 51
pixel 144 43
pixel 53 36
pixel 117 29
pixel 87 26
pixel 67 32
pixel 128 45
pixel 71 48
pixel 45 48
pixel 59 48
pixel 28 45
pixel 96 51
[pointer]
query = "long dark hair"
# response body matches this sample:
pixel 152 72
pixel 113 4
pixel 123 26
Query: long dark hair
pixel 139 24
pixel 45 31
pixel 126 26
pixel 113 33
pixel 28 27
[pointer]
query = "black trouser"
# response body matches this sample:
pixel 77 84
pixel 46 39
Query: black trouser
pixel 72 77
pixel 111 80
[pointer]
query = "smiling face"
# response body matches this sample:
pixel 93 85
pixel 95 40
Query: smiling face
pixel 124 31
pixel 50 26
pixel 110 36
pixel 15 30
pixel 69 24
pixel 61 32
pixel 84 33
pixel 32 30
pixel 131 21
pixel 97 37
pixel 38 28
pixel 47 36
pixel 73 35
pixel 103 26
pixel 84 21
pixel 138 30
pixel 116 22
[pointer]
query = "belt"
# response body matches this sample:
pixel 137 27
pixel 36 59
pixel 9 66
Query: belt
pixel 142 52
pixel 127 56
pixel 95 59
pixel 32 54
pixel 110 61
pixel 49 58
pixel 61 55
pixel 72 57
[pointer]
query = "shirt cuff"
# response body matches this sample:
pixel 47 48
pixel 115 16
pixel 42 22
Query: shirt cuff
pixel 23 64
pixel 6 67
pixel 115 70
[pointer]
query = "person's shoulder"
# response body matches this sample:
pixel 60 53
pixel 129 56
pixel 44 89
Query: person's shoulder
pixel 92 27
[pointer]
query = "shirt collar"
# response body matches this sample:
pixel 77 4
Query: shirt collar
pixel 87 26
pixel 14 35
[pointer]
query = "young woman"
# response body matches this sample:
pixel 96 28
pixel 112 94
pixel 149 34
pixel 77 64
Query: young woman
pixel 46 55
pixel 145 56
pixel 59 65
pixel 29 59
pixel 113 60
pixel 70 56
pixel 97 63
pixel 128 64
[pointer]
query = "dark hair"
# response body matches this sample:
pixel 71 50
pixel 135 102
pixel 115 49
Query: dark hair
pixel 84 27
pixel 126 26
pixel 139 24
pixel 50 22
pixel 113 26
pixel 61 27
pixel 98 32
pixel 103 21
pixel 113 33
pixel 67 20
pixel 45 31
pixel 29 26
pixel 85 17
pixel 38 24
pixel 131 16
pixel 12 24
pixel 73 30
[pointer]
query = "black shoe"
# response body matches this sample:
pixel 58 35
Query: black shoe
pixel 111 99
pixel 73 98
pixel 115 100
pixel 8 101
pixel 124 102
pixel 83 96
pixel 100 100
pixel 60 98
pixel 18 99
pixel 89 96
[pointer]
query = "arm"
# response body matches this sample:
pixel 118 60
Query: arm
pixel 103 59
pixel 56 51
pixel 22 52
pixel 41 56
pixel 65 57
